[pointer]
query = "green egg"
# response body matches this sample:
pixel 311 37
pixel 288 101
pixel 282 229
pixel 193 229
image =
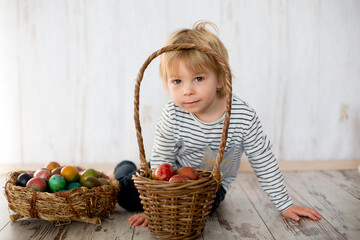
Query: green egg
pixel 73 185
pixel 57 182
pixel 91 181
pixel 87 173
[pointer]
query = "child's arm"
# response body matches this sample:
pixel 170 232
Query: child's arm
pixel 258 150
pixel 262 159
pixel 294 212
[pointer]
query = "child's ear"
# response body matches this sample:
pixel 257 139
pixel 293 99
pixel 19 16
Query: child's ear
pixel 220 83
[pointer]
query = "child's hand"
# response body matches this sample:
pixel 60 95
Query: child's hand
pixel 138 219
pixel 294 212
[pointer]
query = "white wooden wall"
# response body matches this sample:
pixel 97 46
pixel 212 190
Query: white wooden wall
pixel 67 71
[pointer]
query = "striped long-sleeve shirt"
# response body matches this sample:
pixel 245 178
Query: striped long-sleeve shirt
pixel 181 139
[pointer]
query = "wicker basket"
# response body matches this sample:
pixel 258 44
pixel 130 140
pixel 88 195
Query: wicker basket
pixel 179 210
pixel 81 204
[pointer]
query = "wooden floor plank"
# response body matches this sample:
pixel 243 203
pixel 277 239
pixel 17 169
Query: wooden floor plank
pixel 142 233
pixel 280 227
pixel 116 227
pixel 337 206
pixel 347 180
pixel 236 218
pixel 33 229
pixel 213 228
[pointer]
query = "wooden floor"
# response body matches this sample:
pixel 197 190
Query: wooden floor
pixel 246 213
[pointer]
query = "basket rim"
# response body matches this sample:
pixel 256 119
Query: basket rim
pixel 143 179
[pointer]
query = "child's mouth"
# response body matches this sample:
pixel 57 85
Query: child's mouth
pixel 191 103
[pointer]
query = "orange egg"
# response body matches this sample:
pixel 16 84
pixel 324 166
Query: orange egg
pixel 52 165
pixel 70 174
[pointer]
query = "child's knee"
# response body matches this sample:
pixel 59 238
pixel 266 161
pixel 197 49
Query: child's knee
pixel 123 169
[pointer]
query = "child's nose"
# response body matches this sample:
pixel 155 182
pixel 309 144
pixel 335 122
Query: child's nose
pixel 188 89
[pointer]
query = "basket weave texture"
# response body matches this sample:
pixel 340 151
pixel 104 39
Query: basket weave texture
pixel 81 204
pixel 179 210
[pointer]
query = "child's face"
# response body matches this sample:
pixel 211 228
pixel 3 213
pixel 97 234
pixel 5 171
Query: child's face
pixel 196 92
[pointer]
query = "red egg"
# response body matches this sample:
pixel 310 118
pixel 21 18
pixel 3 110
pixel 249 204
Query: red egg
pixel 164 172
pixel 43 173
pixel 189 172
pixel 177 178
pixel 37 184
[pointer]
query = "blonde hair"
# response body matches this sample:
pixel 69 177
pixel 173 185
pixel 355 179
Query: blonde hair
pixel 194 60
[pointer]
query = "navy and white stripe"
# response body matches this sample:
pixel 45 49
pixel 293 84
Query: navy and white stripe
pixel 181 140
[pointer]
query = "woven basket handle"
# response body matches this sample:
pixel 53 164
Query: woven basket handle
pixel 144 167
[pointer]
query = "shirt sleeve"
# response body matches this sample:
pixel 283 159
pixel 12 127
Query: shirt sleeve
pixel 258 150
pixel 163 150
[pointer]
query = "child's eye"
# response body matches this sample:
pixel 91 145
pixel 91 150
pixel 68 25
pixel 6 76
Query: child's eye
pixel 176 81
pixel 198 79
